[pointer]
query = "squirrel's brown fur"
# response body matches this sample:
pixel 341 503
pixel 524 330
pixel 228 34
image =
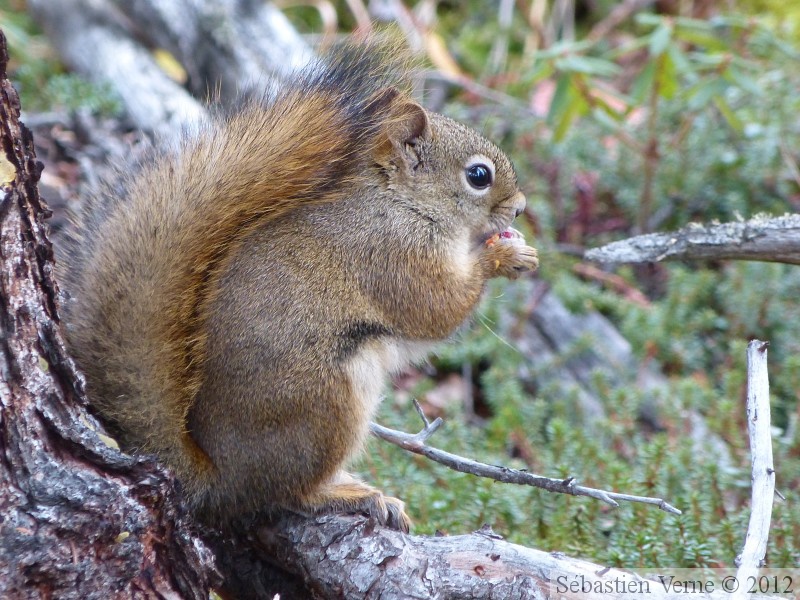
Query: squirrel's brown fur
pixel 235 300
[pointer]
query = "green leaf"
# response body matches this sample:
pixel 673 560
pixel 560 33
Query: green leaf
pixel 644 82
pixel 668 83
pixel 727 112
pixel 541 70
pixel 702 39
pixel 738 77
pixel 578 107
pixel 564 47
pixel 568 104
pixel 660 39
pixel 560 98
pixel 587 64
pixel 609 120
pixel 644 18
pixel 694 24
pixel 682 64
pixel 704 59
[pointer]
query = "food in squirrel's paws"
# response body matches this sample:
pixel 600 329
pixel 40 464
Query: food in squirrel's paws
pixel 510 234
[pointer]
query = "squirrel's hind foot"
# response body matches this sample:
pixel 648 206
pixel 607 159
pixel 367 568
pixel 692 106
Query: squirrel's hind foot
pixel 346 494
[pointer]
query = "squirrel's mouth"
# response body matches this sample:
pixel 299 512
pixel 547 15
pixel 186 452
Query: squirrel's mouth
pixel 501 218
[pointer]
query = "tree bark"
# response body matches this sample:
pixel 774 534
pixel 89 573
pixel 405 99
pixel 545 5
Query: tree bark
pixel 77 518
pixel 349 557
pixel 772 239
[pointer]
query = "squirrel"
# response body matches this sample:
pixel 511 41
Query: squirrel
pixel 237 302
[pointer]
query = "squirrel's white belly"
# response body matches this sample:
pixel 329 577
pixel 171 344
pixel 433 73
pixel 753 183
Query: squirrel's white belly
pixel 375 361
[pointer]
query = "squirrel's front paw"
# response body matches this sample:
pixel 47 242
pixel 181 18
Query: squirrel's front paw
pixel 507 255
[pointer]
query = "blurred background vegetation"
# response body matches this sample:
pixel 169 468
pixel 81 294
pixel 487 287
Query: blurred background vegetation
pixel 621 118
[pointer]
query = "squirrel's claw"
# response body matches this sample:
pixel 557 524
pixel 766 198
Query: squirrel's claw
pixel 396 515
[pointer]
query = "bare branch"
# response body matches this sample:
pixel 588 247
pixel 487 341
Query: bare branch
pixel 93 42
pixel 352 557
pixel 763 472
pixel 774 239
pixel 227 45
pixel 416 443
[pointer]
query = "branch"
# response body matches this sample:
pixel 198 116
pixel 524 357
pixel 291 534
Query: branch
pixel 391 565
pixel 763 473
pixel 225 45
pixel 91 41
pixel 416 443
pixel 774 239
pixel 353 558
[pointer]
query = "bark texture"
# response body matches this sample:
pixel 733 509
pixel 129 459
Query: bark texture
pixel 77 518
pixel 772 239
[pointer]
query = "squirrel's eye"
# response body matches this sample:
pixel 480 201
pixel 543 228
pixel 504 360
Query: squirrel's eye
pixel 479 176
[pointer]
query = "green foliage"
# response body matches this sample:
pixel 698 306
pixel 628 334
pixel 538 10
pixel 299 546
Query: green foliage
pixel 611 453
pixel 721 85
pixel 697 121
pixel 783 17
pixel 66 91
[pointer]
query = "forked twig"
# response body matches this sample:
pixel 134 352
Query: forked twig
pixel 417 443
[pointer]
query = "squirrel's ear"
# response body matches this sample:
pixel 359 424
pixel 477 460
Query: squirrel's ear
pixel 403 130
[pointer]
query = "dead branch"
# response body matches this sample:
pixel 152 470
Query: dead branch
pixel 763 472
pixel 350 557
pixel 773 239
pixel 224 45
pixel 416 443
pixel 92 41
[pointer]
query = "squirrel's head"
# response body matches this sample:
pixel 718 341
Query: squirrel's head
pixel 448 173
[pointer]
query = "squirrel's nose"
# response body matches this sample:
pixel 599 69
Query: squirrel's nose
pixel 518 202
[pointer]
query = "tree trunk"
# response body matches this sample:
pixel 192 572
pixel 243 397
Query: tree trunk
pixel 77 518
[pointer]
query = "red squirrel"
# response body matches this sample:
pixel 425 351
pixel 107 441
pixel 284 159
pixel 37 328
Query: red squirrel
pixel 238 303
